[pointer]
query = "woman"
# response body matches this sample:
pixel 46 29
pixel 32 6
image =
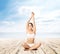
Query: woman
pixel 31 32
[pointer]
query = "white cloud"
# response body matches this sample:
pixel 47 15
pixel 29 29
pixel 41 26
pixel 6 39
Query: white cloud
pixel 52 26
pixel 52 14
pixel 25 10
pixel 44 25
pixel 52 3
pixel 7 22
pixel 19 27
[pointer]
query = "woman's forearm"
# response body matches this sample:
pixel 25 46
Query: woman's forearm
pixel 30 18
pixel 33 20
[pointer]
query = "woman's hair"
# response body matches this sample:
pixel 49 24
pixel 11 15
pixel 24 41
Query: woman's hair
pixel 31 24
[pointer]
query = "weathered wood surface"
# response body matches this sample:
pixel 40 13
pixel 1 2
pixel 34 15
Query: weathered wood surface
pixel 50 46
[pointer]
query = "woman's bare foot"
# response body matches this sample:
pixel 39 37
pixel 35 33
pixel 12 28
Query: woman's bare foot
pixel 26 49
pixel 33 49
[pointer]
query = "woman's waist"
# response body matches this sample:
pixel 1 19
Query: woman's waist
pixel 30 40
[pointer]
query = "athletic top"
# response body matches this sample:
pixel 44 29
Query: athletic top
pixel 30 35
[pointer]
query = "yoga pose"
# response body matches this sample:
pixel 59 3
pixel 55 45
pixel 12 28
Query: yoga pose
pixel 31 32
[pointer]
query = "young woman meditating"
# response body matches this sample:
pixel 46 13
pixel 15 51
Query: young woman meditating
pixel 29 43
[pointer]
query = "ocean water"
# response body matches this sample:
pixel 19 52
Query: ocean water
pixel 22 35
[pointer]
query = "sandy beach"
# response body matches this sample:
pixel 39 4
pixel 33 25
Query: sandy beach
pixel 13 46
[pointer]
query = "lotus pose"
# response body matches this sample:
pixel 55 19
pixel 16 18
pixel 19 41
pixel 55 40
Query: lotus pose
pixel 31 32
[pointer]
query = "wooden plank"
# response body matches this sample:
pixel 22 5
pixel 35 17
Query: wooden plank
pixel 48 50
pixel 57 50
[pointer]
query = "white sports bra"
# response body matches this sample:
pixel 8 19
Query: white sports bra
pixel 30 35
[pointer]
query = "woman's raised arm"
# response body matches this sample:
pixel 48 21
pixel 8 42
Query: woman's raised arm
pixel 34 26
pixel 28 22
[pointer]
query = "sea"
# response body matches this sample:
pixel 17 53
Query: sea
pixel 22 35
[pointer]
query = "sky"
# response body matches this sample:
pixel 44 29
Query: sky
pixel 15 13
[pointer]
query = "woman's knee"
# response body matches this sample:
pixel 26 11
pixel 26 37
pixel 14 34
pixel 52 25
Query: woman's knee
pixel 24 43
pixel 38 44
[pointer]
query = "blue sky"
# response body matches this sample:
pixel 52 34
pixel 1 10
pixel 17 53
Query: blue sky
pixel 15 13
